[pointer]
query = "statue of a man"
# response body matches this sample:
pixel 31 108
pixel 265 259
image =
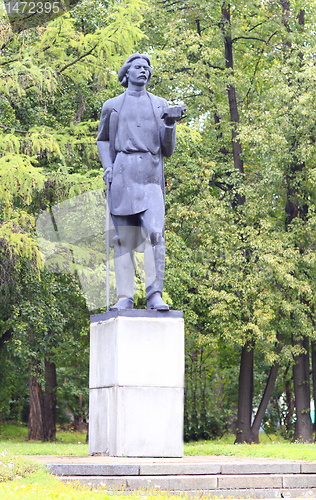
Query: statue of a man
pixel 136 131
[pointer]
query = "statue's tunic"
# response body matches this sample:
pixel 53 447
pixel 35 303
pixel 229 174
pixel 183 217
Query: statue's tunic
pixel 138 139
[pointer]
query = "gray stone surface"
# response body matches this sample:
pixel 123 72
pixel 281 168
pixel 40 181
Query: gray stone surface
pixel 308 468
pixel 179 469
pixel 300 493
pixel 300 481
pixel 135 313
pixel 250 481
pixel 248 493
pixel 186 474
pixel 186 460
pixel 173 483
pixel 261 468
pixel 137 352
pixel 136 387
pixel 136 421
pixel 195 488
pixel 94 469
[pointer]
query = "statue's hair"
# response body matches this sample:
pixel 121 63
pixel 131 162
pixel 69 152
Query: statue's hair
pixel 122 74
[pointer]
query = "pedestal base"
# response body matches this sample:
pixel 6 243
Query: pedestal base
pixel 136 384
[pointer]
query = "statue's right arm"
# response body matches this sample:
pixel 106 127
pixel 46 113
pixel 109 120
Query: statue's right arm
pixel 103 143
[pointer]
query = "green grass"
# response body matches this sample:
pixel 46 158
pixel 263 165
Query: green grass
pixel 14 439
pixel 269 447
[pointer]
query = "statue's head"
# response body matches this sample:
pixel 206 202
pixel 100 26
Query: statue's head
pixel 122 74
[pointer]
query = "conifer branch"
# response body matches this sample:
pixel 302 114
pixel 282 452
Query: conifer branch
pixel 27 131
pixel 8 62
pixel 7 42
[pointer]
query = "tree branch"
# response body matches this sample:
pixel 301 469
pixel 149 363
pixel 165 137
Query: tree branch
pixel 8 62
pixel 170 4
pixel 15 129
pixel 182 70
pixel 221 185
pixel 248 38
pixel 256 26
pixel 7 42
pixel 78 59
pixel 213 66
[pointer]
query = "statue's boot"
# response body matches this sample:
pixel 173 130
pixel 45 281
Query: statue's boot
pixel 124 273
pixel 154 269
pixel 155 302
pixel 123 303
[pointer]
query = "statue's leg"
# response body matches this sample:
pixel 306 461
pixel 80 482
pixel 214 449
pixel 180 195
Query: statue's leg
pixel 124 243
pixel 152 222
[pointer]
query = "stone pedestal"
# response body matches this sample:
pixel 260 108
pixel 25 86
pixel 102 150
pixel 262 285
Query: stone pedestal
pixel 136 384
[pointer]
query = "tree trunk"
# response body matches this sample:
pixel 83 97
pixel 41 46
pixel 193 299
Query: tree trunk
pixel 36 430
pixel 245 394
pixel 245 432
pixel 78 423
pixel 42 416
pixel 255 428
pixel 303 425
pixel 232 97
pixel 297 207
pixel 314 378
pixel 50 400
pixel 290 405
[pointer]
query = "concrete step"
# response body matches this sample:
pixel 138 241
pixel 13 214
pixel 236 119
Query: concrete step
pixel 218 476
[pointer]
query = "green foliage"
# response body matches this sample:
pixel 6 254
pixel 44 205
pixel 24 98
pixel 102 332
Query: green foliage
pixel 207 413
pixel 54 80
pixel 14 391
pixel 19 179
pixel 240 271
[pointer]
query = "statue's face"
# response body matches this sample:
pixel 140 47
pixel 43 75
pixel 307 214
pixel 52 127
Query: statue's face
pixel 138 73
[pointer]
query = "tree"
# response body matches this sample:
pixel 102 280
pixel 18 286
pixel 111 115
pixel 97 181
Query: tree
pixel 47 155
pixel 51 314
pixel 240 189
pixel 228 64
